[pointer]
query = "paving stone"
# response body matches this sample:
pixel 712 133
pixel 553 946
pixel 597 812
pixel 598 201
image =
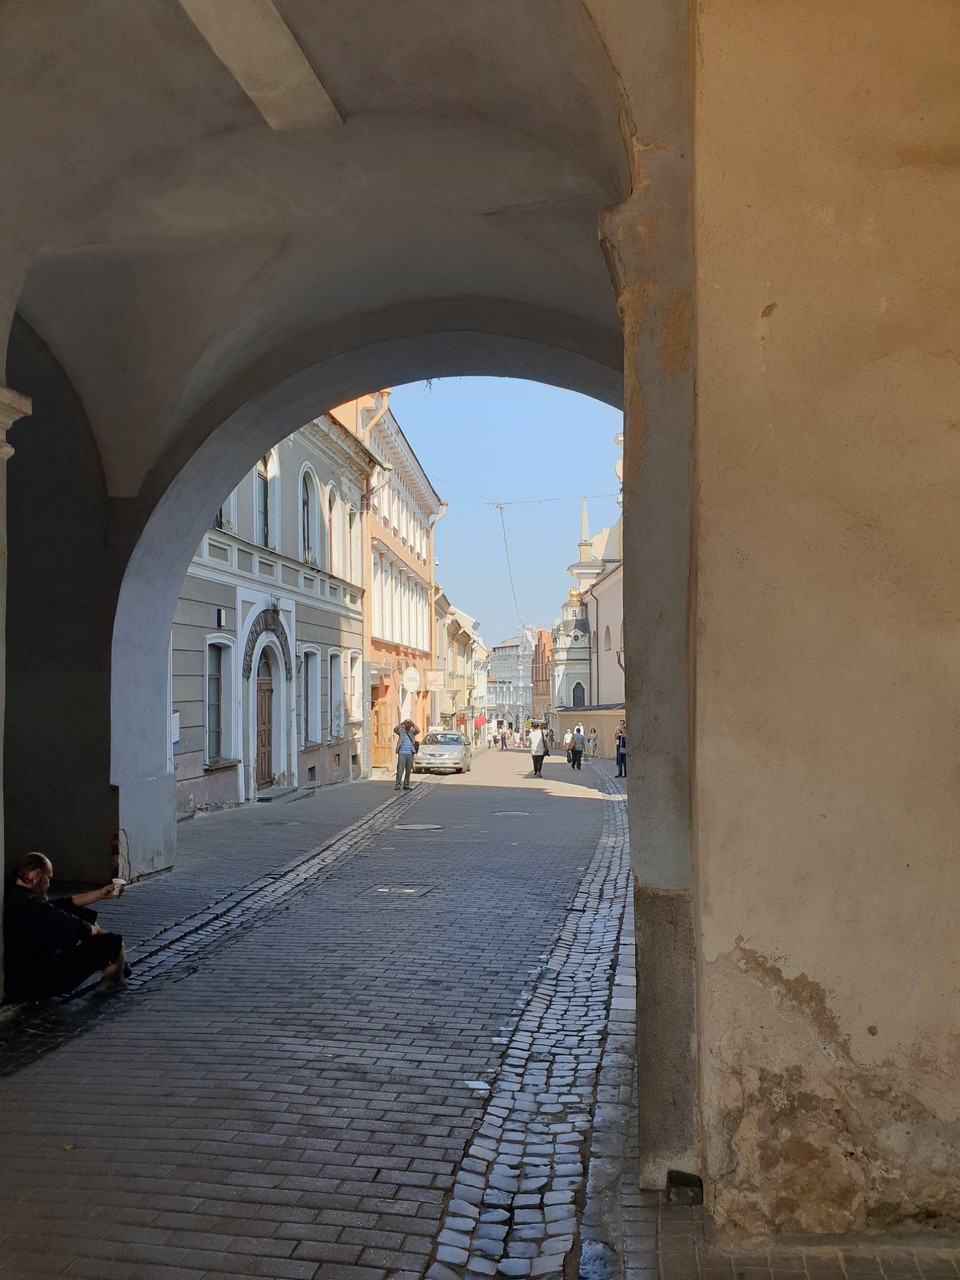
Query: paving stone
pixel 481 1267
pixel 355 1066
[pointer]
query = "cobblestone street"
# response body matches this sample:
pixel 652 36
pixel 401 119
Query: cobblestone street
pixel 363 1040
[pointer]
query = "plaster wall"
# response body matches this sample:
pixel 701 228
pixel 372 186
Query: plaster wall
pixel 826 728
pixel 605 609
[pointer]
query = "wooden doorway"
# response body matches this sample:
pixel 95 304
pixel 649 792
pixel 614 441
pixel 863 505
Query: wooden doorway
pixel 264 722
pixel 382 738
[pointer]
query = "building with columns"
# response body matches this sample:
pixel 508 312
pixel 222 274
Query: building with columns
pixel 510 684
pixel 401 509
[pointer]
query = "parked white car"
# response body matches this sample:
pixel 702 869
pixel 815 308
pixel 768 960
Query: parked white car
pixel 444 751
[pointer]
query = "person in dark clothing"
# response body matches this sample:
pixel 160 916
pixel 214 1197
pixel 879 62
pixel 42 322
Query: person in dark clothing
pixel 620 738
pixel 51 947
pixel 577 744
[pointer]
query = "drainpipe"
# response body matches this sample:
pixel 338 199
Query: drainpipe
pixel 384 406
pixel 433 564
pixel 596 632
pixel 366 732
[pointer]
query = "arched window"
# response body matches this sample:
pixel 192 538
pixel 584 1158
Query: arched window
pixel 218 698
pixel 606 638
pixel 353 546
pixel 310 729
pixel 336 695
pixel 266 519
pixel 310 537
pixel 262 529
pixel 356 686
pixel 579 695
pixel 334 534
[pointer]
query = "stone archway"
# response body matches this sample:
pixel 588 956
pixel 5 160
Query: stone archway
pixel 267 620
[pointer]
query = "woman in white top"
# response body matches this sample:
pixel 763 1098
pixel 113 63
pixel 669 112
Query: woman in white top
pixel 538 748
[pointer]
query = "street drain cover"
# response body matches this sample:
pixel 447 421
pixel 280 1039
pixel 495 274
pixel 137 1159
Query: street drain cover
pixel 397 890
pixel 417 826
pixel 512 813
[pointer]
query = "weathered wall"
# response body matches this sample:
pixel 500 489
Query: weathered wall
pixel 57 719
pixel 827 736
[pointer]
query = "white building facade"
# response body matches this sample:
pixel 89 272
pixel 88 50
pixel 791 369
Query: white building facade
pixel 266 652
pixel 510 679
pixel 588 673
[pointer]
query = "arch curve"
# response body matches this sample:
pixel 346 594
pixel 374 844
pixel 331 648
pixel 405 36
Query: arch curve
pixel 172 511
pixel 267 620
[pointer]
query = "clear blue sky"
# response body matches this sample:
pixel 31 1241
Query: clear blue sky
pixel 486 440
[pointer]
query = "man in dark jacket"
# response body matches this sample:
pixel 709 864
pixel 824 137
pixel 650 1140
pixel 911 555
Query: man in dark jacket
pixel 51 947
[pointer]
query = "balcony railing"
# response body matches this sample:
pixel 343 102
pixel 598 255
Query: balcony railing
pixel 276 570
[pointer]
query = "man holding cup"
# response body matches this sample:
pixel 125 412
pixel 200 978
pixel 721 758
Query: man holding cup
pixel 51 947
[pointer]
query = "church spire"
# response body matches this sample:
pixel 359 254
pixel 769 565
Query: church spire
pixel 584 530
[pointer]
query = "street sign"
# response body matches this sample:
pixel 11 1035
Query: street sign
pixel 411 679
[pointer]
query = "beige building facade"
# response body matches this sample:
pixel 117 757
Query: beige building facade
pixel 401 508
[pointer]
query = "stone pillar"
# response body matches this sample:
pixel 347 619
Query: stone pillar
pixel 13 407
pixel 828 612
pixel 647 243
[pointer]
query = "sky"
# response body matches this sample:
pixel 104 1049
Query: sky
pixel 500 440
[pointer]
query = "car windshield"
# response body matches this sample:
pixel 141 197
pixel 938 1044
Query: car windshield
pixel 443 740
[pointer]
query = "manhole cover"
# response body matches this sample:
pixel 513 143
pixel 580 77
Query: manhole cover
pixel 417 826
pixel 396 891
pixel 512 813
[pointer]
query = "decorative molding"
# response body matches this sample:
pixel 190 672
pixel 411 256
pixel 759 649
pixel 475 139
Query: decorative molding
pixel 13 407
pixel 266 620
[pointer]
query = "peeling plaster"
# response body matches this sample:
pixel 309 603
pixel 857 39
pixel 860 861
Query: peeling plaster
pixel 804 1136
pixel 674 350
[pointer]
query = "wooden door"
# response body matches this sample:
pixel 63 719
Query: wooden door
pixel 264 724
pixel 382 749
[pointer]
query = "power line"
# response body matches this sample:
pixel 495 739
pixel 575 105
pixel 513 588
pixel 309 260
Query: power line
pixel 506 551
pixel 519 502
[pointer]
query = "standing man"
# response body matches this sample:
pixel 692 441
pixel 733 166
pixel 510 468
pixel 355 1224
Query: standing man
pixel 621 740
pixel 406 732
pixel 538 748
pixel 577 744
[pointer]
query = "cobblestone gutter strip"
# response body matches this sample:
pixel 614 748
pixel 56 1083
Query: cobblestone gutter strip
pixel 512 1210
pixel 217 920
pixel 608 1200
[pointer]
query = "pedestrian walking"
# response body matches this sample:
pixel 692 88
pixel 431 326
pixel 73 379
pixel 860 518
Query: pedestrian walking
pixel 593 738
pixel 407 747
pixel 620 737
pixel 503 739
pixel 577 744
pixel 567 744
pixel 538 749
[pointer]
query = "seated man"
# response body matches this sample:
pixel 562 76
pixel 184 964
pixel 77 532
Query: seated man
pixel 51 947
